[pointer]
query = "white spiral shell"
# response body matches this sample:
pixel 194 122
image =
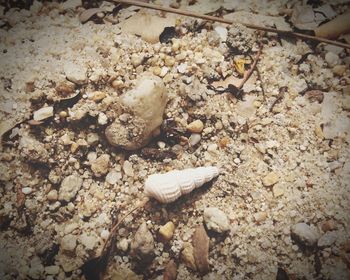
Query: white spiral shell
pixel 170 186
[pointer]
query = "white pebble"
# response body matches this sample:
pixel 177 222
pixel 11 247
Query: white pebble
pixel 332 59
pixel 104 234
pixel 27 190
pixel 113 177
pixel 127 167
pixel 43 113
pixel 102 119
pixel 194 139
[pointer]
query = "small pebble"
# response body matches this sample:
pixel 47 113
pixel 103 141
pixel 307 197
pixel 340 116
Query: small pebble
pixel 305 234
pixel 68 243
pixel 52 269
pixel 128 170
pixel 195 126
pixel 332 59
pixel 182 68
pixel 327 239
pixel 270 179
pixel 27 190
pixel 104 234
pixel 328 225
pixel 212 148
pixel 216 220
pixel 92 138
pixel 52 195
pixel 123 244
pixel 113 177
pixel 194 139
pixel 117 84
pixel 69 187
pixel 260 217
pixel 187 256
pixel 277 190
pixel 167 231
pixel 142 245
pixel 102 119
pixel 100 165
pixel 136 59
pixel 237 161
pixel 43 113
pixel 339 70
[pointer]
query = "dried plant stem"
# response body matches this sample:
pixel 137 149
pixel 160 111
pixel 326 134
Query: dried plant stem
pixel 251 69
pixel 117 223
pixel 227 21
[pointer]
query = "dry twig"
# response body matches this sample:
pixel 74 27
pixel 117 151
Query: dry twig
pixel 227 21
pixel 117 223
pixel 251 69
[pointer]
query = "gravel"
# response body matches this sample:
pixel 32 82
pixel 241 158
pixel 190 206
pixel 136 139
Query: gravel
pixel 283 150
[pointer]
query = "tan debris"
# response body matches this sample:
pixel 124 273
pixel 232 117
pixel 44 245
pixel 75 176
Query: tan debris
pixel 167 231
pixel 270 179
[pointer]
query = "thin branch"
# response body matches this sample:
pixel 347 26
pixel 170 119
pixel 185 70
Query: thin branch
pixel 227 21
pixel 251 70
pixel 117 223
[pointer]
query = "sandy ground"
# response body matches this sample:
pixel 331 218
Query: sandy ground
pixel 282 196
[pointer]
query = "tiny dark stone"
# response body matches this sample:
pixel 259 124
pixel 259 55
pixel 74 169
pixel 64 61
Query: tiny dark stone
pixel 167 34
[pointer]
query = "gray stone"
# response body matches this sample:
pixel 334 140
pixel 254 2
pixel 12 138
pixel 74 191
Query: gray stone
pixel 332 59
pixel 142 245
pixel 69 187
pixel 216 220
pixel 327 239
pixel 305 234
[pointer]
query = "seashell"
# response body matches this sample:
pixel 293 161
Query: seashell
pixel 170 186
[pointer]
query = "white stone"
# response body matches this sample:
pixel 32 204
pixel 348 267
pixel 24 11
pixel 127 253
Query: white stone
pixel 43 113
pixel 161 144
pixel 332 59
pixel 194 139
pixel 92 138
pixel 182 68
pixel 216 220
pixel 212 148
pixel 68 242
pixel 75 73
pixel 113 177
pixel 123 244
pixel 147 101
pixel 222 32
pixel 104 234
pixel 136 59
pixel 27 190
pixel 89 241
pixel 69 187
pixel 164 71
pixel 102 119
pixel 304 233
pixel 127 167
